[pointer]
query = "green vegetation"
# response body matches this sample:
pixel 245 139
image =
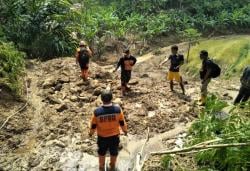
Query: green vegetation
pixel 51 28
pixel 11 66
pixel 232 53
pixel 48 28
pixel 224 128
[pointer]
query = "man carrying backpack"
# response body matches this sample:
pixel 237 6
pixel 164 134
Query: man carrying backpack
pixel 174 72
pixel 107 121
pixel 208 71
pixel 83 54
pixel 244 92
pixel 126 63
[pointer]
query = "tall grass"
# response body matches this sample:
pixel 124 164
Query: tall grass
pixel 232 53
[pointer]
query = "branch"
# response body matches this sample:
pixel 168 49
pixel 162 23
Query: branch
pixel 201 147
pixel 19 110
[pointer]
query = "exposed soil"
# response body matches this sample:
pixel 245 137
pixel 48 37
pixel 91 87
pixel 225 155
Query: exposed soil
pixel 60 104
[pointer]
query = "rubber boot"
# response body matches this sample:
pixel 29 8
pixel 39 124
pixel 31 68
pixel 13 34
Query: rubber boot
pixel 112 162
pixel 202 101
pixel 101 163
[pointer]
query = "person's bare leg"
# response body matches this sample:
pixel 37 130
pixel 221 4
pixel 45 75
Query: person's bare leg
pixel 101 163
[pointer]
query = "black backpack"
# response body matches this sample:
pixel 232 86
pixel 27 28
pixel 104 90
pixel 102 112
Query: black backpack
pixel 83 56
pixel 216 70
pixel 245 79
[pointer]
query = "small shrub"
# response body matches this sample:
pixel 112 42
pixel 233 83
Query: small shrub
pixel 11 67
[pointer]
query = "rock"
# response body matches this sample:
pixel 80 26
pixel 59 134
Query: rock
pixel 118 101
pixel 63 80
pixel 103 75
pixel 97 91
pixel 61 108
pixel 58 87
pixel 84 98
pixel 34 161
pixel 94 84
pixel 73 90
pixel 225 94
pixel 73 98
pixel 151 114
pixel 53 100
pixel 56 143
pixel 144 76
pixel 135 82
pixel 49 82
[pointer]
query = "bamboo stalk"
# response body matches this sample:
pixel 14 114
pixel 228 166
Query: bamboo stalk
pixel 201 147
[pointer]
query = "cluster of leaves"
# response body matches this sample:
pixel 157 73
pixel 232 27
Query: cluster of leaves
pixel 11 66
pixel 226 124
pixel 231 127
pixel 41 28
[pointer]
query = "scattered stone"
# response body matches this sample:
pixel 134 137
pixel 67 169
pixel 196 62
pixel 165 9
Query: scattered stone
pixel 225 94
pixel 49 82
pixel 73 98
pixel 144 76
pixel 97 91
pixel 56 143
pixel 151 114
pixel 61 108
pixel 118 101
pixel 53 100
pixel 58 87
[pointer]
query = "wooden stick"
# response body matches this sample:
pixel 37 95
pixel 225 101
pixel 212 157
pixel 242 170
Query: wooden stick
pixel 200 148
pixel 19 110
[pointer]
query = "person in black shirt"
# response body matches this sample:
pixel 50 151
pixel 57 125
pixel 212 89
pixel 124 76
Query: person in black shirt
pixel 205 75
pixel 176 60
pixel 126 63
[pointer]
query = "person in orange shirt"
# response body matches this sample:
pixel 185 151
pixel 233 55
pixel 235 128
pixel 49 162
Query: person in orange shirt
pixel 107 120
pixel 83 54
pixel 126 63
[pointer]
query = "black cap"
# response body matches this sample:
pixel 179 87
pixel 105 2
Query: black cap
pixel 106 96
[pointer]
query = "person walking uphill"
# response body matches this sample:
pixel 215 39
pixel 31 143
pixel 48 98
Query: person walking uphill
pixel 83 54
pixel 208 71
pixel 107 120
pixel 126 63
pixel 176 60
pixel 244 92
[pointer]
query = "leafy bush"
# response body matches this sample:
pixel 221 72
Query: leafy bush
pixel 232 127
pixel 41 28
pixel 11 66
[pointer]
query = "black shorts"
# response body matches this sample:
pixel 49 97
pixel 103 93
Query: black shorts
pixel 108 143
pixel 84 65
pixel 125 76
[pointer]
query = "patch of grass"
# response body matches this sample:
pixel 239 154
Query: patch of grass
pixel 231 53
pixel 11 67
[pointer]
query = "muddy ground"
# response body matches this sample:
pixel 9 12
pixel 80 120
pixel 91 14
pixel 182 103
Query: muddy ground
pixel 55 122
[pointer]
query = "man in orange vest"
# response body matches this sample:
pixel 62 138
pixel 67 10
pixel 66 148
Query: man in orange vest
pixel 83 54
pixel 107 120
